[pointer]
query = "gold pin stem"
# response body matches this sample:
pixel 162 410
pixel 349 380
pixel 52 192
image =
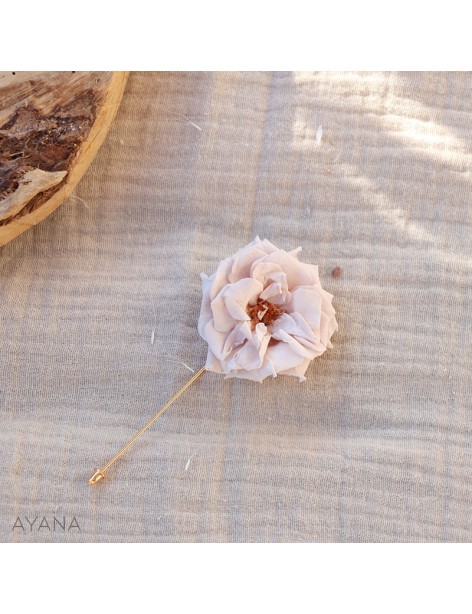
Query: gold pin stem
pixel 99 474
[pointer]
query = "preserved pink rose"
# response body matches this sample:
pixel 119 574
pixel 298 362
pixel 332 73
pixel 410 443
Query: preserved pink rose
pixel 265 313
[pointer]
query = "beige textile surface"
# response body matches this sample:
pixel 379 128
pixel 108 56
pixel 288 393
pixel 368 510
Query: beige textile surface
pixel 375 445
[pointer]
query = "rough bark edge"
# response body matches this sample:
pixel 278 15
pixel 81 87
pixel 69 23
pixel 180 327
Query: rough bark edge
pixel 87 152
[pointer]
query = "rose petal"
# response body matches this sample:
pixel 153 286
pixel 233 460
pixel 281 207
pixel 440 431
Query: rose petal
pixel 287 323
pixel 212 363
pixel 244 258
pixel 239 295
pixel 242 264
pixel 223 321
pixel 295 326
pixel 256 375
pixel 220 276
pixel 206 313
pixel 284 356
pixel 295 330
pixel 295 252
pixel 298 371
pixel 274 281
pixel 327 313
pixel 265 245
pixel 273 293
pixel 247 358
pixel 262 271
pixel 250 355
pixel 215 339
pixel 307 302
pixel 294 344
pixel 298 273
pixel 229 307
pixel 235 339
pixel 277 292
pixel 332 327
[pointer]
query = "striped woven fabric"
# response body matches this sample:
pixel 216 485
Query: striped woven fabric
pixel 368 172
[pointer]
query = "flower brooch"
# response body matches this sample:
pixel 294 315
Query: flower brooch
pixel 263 313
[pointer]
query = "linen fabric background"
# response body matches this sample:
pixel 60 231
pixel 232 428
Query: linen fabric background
pixel 376 445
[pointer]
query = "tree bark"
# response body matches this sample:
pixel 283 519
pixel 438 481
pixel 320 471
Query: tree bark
pixel 52 125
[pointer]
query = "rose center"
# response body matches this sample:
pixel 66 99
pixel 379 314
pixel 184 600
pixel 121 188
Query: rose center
pixel 264 312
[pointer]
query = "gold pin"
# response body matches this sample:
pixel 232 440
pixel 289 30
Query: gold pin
pixel 99 474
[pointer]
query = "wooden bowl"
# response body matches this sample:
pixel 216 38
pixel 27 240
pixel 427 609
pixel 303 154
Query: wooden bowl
pixel 52 125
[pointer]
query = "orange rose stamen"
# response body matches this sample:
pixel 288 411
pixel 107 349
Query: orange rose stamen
pixel 264 312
